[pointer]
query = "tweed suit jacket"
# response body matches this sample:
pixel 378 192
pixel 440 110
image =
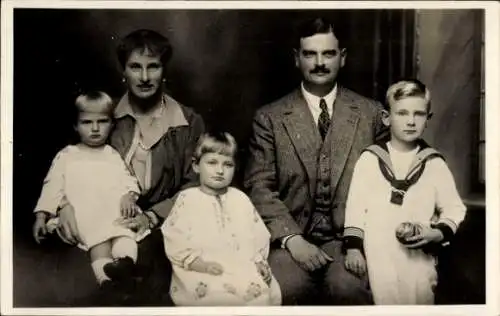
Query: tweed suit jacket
pixel 281 172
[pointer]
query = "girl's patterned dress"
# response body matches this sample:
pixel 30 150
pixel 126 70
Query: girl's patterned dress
pixel 225 229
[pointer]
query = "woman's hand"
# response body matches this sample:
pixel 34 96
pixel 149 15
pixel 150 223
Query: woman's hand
pixel 68 229
pixel 139 223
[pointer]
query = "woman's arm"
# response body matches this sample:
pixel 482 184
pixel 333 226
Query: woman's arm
pixel 189 177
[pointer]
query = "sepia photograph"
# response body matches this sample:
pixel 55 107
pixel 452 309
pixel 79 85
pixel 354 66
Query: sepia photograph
pixel 312 155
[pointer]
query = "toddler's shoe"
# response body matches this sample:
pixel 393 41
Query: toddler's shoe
pixel 120 269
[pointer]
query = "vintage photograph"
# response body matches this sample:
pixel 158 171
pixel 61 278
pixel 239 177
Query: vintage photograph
pixel 180 157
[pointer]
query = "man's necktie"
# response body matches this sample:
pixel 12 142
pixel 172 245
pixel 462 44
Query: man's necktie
pixel 324 119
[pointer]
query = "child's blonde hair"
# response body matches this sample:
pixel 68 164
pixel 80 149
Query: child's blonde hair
pixel 215 142
pixel 405 89
pixel 94 101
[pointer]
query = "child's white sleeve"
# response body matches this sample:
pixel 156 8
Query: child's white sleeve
pixel 178 232
pixel 449 205
pixel 356 206
pixel 262 236
pixel 52 194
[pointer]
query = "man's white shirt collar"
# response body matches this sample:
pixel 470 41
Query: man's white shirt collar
pixel 313 101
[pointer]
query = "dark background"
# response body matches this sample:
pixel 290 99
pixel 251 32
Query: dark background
pixel 226 64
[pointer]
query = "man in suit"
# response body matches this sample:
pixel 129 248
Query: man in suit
pixel 302 153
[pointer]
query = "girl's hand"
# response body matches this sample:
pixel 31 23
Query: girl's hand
pixel 210 267
pixel 427 235
pixel 128 208
pixel 264 271
pixel 214 268
pixel 355 262
pixel 39 227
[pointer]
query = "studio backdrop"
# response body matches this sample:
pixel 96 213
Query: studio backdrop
pixel 226 64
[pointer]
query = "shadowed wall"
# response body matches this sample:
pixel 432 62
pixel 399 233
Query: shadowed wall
pixel 226 64
pixel 449 48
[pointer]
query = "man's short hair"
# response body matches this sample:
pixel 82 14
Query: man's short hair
pixel 319 25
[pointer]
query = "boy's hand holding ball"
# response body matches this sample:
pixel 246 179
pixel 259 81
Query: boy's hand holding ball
pixel 405 231
pixel 417 235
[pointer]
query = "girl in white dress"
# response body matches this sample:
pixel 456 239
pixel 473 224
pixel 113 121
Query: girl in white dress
pixel 93 178
pixel 402 201
pixel 215 239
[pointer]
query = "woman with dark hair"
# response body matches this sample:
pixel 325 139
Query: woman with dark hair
pixel 156 136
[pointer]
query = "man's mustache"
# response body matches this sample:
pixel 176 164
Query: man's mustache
pixel 320 69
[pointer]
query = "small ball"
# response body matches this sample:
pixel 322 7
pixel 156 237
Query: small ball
pixel 406 230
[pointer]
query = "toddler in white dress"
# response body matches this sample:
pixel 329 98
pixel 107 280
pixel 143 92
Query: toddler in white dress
pixel 93 178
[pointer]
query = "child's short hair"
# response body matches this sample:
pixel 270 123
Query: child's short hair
pixel 405 89
pixel 94 101
pixel 215 142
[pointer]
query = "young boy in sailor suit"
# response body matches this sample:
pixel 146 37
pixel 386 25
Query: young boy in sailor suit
pixel 402 200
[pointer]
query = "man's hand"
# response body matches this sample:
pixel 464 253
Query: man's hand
pixel 308 256
pixel 355 262
pixel 68 230
pixel 426 236
pixel 40 227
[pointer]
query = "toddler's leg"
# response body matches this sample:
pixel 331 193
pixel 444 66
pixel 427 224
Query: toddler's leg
pixel 123 247
pixel 111 292
pixel 100 255
pixel 124 252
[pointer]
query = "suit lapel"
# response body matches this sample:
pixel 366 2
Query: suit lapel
pixel 304 135
pixel 341 135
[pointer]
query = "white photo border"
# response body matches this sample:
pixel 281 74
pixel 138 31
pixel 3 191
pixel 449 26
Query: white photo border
pixel 492 71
